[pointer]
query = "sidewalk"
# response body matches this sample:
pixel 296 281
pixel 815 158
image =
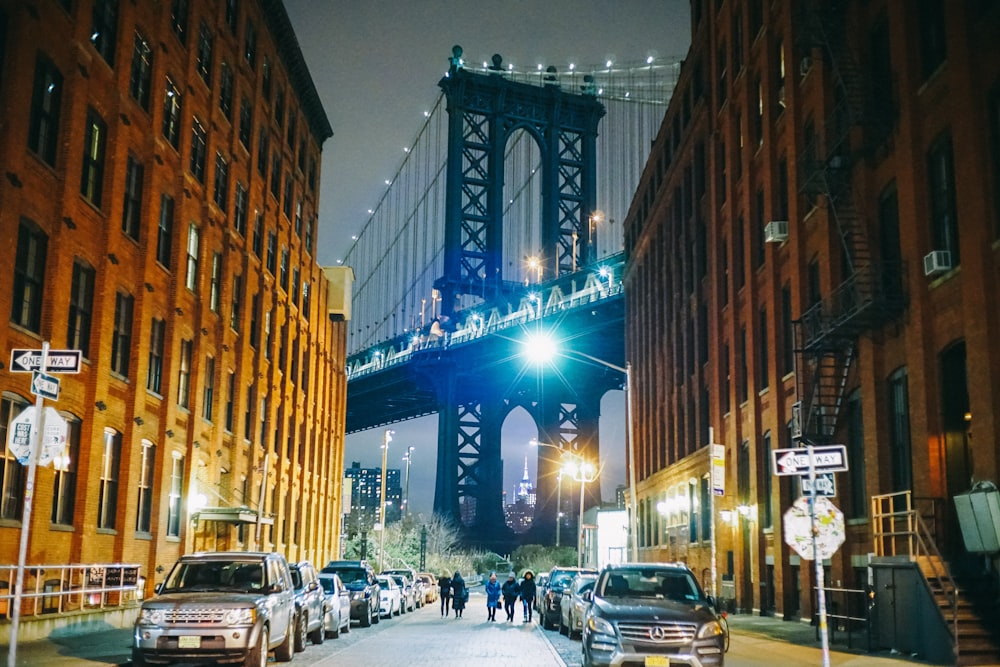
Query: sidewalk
pixel 101 646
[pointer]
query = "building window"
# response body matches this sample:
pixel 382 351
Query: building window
pixel 107 502
pixel 247 422
pixel 766 479
pixel 265 79
pixel 262 151
pixel 43 131
pixel 203 63
pixel 92 178
pixel 737 32
pixel 221 194
pixel 157 339
pixel 215 283
pixel 232 15
pixel 267 335
pixel 237 302
pixel 744 379
pixel 763 345
pixel 899 431
pixel 121 339
pixel 132 208
pixel 208 393
pixel 240 209
pixel 255 320
pixel 81 308
pixel 230 400
pixel 994 125
pixel 813 283
pixel 284 268
pixel 11 471
pixel 64 477
pixel 29 276
pixel 179 18
pixel 293 293
pixel 305 301
pixel 787 345
pixel 275 175
pixel 165 230
pixel 104 28
pixel 858 491
pixel 693 509
pixel 941 187
pixel 758 232
pixel 309 234
pixel 272 252
pixel 246 122
pixel 191 279
pixel 250 45
pixel 933 50
pixel 199 143
pixel 175 495
pixel 184 376
pixel 147 469
pixel 172 114
pixel 142 71
pixel 258 234
pixel 298 217
pixel 312 174
pixel 226 90
pixel 279 108
pixel 758 117
pixel 739 252
pixel 706 514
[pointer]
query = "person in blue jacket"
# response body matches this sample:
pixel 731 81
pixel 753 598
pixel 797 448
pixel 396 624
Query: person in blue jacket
pixel 492 597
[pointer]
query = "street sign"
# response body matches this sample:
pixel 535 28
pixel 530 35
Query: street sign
pixel 57 361
pixel 797 528
pixel 53 437
pixel 826 485
pixel 828 458
pixel 19 438
pixel 718 470
pixel 44 385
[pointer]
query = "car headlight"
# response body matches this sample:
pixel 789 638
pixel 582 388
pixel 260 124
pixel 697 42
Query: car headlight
pixel 150 616
pixel 709 630
pixel 598 625
pixel 245 616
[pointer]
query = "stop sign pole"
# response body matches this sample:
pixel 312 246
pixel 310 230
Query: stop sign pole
pixel 820 580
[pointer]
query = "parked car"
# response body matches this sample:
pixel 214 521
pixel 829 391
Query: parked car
pixel 574 605
pixel 309 603
pixel 337 609
pixel 222 607
pixel 409 595
pixel 641 612
pixel 541 581
pixel 559 580
pixel 430 586
pixel 359 578
pixel 391 597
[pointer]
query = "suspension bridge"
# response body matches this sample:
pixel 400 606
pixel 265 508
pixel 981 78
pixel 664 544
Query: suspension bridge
pixel 504 218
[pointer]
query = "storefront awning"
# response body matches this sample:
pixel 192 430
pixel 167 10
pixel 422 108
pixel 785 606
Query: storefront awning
pixel 231 515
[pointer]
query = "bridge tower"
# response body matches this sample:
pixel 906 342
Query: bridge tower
pixel 484 111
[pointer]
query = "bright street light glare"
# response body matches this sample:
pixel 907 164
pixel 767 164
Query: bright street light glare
pixel 540 348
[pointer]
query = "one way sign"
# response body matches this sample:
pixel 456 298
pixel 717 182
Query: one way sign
pixel 57 361
pixel 829 458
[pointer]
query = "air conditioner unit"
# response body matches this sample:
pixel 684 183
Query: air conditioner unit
pixel 937 261
pixel 805 65
pixel 776 231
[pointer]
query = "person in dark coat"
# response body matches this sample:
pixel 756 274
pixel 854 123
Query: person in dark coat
pixel 510 591
pixel 492 597
pixel 444 587
pixel 528 592
pixel 459 594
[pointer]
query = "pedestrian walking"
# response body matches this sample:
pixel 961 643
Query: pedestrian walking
pixel 444 589
pixel 510 591
pixel 492 597
pixel 528 592
pixel 459 594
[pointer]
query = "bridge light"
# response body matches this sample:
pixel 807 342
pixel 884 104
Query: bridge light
pixel 539 348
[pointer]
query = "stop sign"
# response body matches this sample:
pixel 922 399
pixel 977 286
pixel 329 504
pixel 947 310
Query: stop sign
pixel 797 527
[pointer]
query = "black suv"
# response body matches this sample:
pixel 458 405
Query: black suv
pixel 359 578
pixel 644 612
pixel 560 579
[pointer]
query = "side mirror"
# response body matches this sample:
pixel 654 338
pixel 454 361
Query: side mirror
pixel 158 587
pixel 712 602
pixel 587 595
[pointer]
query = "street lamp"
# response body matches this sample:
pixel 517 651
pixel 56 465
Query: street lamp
pixel 408 457
pixel 582 472
pixel 559 475
pixel 381 537
pixel 541 348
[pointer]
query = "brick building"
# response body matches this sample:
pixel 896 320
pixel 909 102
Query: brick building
pixel 159 196
pixel 818 222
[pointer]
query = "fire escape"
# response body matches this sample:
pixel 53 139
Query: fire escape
pixel 870 294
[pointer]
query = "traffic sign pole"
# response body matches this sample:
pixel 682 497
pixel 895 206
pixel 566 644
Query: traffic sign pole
pixel 820 582
pixel 29 492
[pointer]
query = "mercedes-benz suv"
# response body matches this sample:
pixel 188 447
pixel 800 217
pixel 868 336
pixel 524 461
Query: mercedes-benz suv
pixel 226 607
pixel 653 614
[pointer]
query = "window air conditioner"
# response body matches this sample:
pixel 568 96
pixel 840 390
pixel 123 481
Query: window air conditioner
pixel 937 261
pixel 776 231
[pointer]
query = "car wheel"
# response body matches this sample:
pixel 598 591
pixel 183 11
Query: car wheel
pixel 318 635
pixel 138 660
pixel 563 628
pixel 333 634
pixel 402 607
pixel 546 623
pixel 256 656
pixel 377 616
pixel 301 633
pixel 284 651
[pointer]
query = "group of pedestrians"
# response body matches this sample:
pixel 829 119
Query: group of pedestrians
pixel 510 591
pixel 454 594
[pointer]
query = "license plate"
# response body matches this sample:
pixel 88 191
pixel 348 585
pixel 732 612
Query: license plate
pixel 657 661
pixel 194 642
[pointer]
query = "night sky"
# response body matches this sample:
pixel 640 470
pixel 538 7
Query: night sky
pixel 376 64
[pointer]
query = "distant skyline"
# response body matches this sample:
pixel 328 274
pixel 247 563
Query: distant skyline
pixel 376 65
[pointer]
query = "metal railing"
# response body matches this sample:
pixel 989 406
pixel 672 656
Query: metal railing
pixel 849 610
pixel 59 589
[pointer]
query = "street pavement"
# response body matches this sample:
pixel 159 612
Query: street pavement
pixel 423 638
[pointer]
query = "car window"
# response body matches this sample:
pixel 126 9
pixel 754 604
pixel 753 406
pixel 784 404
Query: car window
pixel 327 584
pixel 674 585
pixel 215 575
pixel 296 578
pixel 350 575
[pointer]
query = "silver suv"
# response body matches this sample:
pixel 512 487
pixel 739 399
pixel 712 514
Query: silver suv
pixel 226 607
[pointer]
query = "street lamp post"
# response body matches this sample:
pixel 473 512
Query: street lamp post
pixel 583 473
pixel 558 504
pixel 381 537
pixel 408 457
